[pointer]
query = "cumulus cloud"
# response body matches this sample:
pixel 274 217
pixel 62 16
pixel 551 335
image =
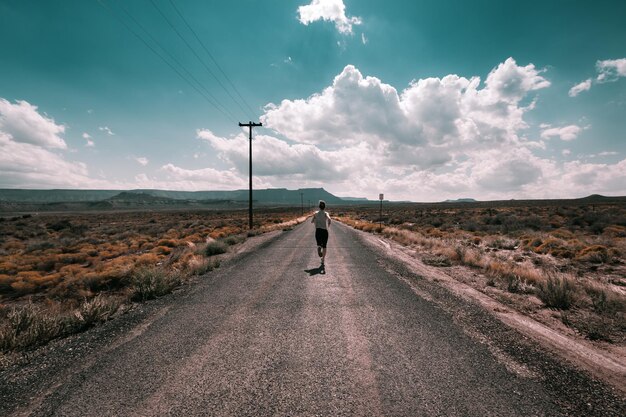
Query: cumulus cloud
pixel 22 123
pixel 580 87
pixel 427 125
pixel 143 161
pixel 25 165
pixel 30 151
pixel 276 158
pixel 565 133
pixel 437 138
pixel 329 10
pixel 611 69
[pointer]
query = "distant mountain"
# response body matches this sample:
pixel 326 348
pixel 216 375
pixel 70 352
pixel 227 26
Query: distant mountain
pixel 461 200
pixel 354 199
pixel 595 197
pixel 164 197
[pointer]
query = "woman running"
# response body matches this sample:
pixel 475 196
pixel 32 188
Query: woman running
pixel 322 221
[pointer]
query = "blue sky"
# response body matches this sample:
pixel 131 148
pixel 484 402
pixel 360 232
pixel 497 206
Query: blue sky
pixel 419 100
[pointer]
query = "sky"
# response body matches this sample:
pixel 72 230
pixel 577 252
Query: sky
pixel 419 100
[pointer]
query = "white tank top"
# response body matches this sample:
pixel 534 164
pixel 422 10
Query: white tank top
pixel 320 219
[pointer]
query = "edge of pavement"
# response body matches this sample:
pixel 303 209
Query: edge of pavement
pixel 601 364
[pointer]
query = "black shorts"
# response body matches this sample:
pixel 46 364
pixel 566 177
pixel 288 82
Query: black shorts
pixel 321 237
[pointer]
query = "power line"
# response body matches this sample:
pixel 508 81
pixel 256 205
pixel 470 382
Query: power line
pixel 207 98
pixel 169 22
pixel 173 58
pixel 211 56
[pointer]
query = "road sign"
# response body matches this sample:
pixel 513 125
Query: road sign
pixel 381 196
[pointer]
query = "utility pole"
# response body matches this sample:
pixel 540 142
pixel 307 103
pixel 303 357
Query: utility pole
pixel 250 125
pixel 302 203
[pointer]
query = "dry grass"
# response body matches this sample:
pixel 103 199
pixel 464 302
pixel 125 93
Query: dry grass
pixel 570 257
pixel 152 282
pixel 31 325
pixel 62 273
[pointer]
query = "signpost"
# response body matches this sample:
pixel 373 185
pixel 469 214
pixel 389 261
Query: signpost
pixel 380 217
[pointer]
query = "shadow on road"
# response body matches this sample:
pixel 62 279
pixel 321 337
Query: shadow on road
pixel 315 271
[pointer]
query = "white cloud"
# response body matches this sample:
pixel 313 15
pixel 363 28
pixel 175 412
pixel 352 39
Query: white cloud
pixel 438 138
pixel 579 88
pixel 275 158
pixel 24 165
pixel 510 82
pixel 29 142
pixel 427 125
pixel 565 133
pixel 204 178
pixel 23 123
pixel 329 10
pixel 142 160
pixel 611 69
pixel 364 39
pixel 106 130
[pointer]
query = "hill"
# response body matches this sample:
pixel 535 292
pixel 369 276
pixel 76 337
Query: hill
pixel 17 200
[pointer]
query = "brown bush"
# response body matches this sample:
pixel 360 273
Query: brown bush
pixel 147 259
pixel 170 243
pixel 593 254
pixel 615 231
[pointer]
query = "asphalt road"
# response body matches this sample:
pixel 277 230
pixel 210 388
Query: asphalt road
pixel 273 334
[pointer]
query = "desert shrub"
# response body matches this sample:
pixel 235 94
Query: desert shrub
pixel 163 250
pixel 503 243
pixel 22 287
pixel 5 283
pixel 470 226
pixel 233 240
pixel 556 292
pixel 45 264
pixel 39 246
pixel 167 242
pixel 71 258
pixel 615 231
pixel 28 326
pixel 14 246
pixel 472 257
pixel 593 254
pixel 32 325
pixel 147 259
pixel 202 266
pixel 215 248
pixel 604 301
pixel 531 242
pixel 148 283
pixel 98 309
pixel 437 260
pixel 59 225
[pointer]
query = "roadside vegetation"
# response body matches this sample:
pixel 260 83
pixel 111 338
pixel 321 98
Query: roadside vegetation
pixel 547 260
pixel 63 273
